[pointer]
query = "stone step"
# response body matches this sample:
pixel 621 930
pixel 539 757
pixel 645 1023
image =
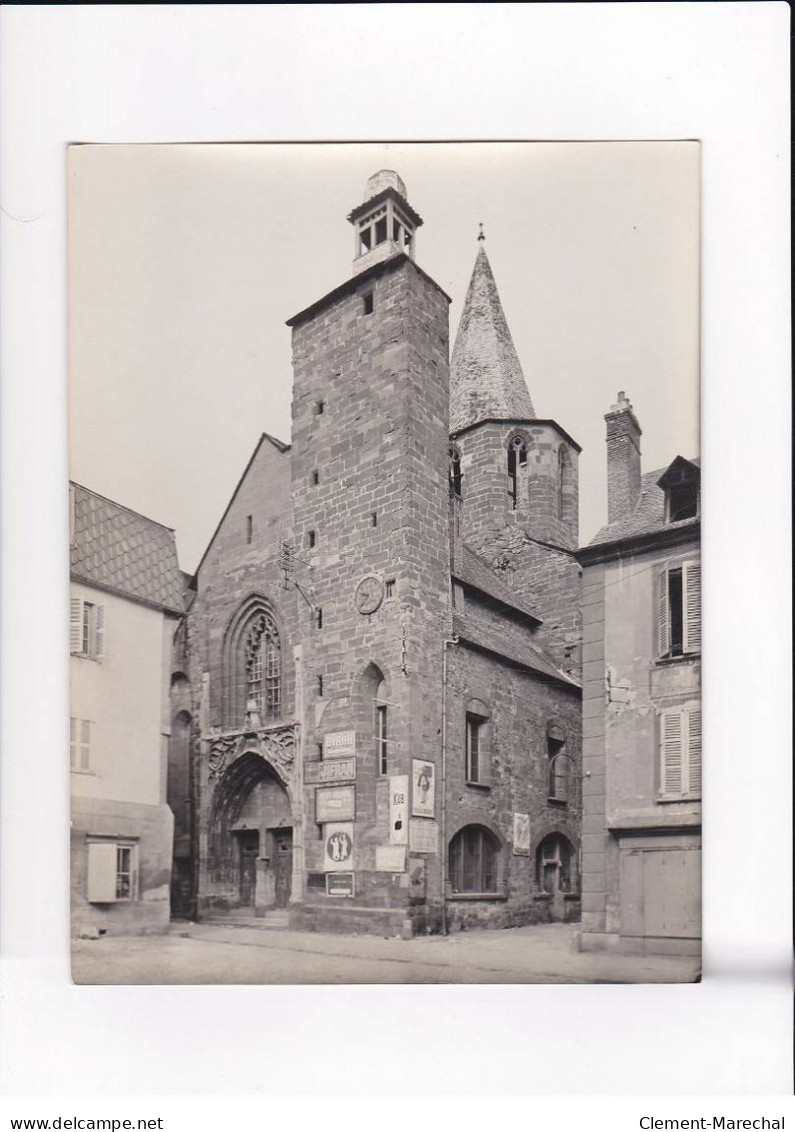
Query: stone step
pixel 271 921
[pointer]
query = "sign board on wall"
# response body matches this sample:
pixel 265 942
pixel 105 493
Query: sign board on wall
pixel 521 835
pixel 337 770
pixel 398 809
pixel 424 836
pixel 339 884
pixel 335 803
pixel 390 858
pixel 423 788
pixel 339 744
pixel 338 847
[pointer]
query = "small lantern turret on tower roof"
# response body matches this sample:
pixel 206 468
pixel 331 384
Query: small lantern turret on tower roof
pixel 385 223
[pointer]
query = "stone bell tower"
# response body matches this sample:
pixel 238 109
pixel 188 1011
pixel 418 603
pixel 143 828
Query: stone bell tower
pixel 514 482
pixel 369 488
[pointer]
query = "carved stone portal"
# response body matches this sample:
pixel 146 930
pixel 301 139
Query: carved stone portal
pixel 275 744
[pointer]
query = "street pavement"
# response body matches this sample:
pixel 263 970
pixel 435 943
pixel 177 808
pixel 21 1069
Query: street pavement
pixel 225 954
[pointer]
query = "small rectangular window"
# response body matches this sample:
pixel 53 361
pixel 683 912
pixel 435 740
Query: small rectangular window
pixel 368 303
pixel 316 477
pixel 320 407
pixel 389 587
pixel 320 685
pixel 380 230
pixel 374 519
pixel 381 740
pixel 249 527
pixel 319 618
pixel 311 538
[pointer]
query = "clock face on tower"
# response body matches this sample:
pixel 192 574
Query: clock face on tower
pixel 369 594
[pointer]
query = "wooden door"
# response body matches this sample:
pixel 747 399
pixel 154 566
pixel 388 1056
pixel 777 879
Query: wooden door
pixel 249 851
pixel 283 865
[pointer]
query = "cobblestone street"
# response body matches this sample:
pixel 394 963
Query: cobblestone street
pixel 210 953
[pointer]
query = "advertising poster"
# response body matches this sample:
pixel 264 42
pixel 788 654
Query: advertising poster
pixel 424 837
pixel 339 744
pixel 335 803
pixel 423 788
pixel 398 809
pixel 338 847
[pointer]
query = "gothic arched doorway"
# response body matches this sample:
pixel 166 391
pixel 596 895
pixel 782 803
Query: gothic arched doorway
pixel 251 838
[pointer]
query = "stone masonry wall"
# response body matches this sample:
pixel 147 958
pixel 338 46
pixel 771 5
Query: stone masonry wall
pixel 370 480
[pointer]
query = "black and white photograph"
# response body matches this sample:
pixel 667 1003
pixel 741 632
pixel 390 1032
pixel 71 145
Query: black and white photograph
pixel 385 563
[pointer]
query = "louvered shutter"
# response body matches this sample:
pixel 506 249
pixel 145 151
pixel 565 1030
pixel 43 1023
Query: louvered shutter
pixel 691 574
pixel 102 872
pixel 75 625
pixel 663 615
pixel 671 736
pixel 694 750
pixel 99 632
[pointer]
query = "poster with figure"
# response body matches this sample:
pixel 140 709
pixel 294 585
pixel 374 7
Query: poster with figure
pixel 398 809
pixel 423 788
pixel 338 847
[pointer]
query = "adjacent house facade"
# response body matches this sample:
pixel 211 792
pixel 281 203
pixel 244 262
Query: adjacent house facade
pixel 642 705
pixel 125 603
pixel 376 698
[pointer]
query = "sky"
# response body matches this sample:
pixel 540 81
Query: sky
pixel 185 261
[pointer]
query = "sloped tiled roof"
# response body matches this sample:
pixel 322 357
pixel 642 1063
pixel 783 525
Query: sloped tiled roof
pixel 523 653
pixel 648 515
pixel 124 552
pixel 472 571
pixel 486 379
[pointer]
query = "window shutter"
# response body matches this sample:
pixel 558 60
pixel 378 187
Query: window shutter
pixel 72 742
pixel 663 618
pixel 691 573
pixel 671 735
pixel 85 744
pixel 76 625
pixel 102 872
pixel 99 633
pixel 694 750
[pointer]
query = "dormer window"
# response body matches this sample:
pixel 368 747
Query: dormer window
pixel 681 483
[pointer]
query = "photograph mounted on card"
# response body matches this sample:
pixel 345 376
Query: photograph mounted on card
pixel 406 592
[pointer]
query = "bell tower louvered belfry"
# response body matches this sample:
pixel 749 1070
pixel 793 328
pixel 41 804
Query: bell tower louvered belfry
pixel 514 483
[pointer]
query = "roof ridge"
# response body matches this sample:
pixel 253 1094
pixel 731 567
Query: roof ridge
pixel 122 507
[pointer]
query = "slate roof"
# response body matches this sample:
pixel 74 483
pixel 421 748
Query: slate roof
pixel 648 515
pixel 486 379
pixel 525 654
pixel 119 550
pixel 472 571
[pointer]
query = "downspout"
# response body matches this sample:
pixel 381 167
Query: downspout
pixel 443 815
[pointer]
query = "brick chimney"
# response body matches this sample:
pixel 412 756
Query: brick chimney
pixel 623 459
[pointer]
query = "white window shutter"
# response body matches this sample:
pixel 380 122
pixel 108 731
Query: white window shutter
pixel 691 573
pixel 102 872
pixel 75 625
pixel 671 736
pixel 99 632
pixel 72 742
pixel 663 617
pixel 694 750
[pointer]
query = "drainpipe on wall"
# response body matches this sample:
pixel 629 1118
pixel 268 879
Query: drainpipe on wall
pixel 443 816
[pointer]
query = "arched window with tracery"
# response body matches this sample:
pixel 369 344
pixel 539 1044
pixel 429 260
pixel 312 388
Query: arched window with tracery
pixel 517 462
pixel 263 667
pixel 252 677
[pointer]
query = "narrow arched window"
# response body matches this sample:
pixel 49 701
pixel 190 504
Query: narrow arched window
pixel 517 458
pixel 381 729
pixel 474 860
pixel 263 666
pixel 561 482
pixel 558 765
pixel 456 480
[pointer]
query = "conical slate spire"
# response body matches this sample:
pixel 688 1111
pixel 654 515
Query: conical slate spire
pixel 486 379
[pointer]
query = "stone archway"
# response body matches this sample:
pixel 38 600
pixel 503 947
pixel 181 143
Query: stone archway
pixel 249 864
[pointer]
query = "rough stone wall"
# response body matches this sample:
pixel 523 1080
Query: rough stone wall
pixel 530 546
pixel 379 507
pixel 520 707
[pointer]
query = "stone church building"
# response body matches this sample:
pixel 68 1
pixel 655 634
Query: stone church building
pixel 376 707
